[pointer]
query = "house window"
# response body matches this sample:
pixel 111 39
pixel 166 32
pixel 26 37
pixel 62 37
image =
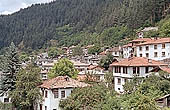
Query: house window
pixel 134 70
pixel 42 92
pixel 147 48
pixel 146 69
pixel 119 81
pixel 6 100
pixel 140 55
pixel 46 94
pixel 62 94
pixel 45 107
pixel 163 46
pixel 147 54
pixel 125 80
pixel 155 54
pixel 163 54
pixel 55 92
pixel 140 48
pixel 125 70
pixel 155 47
pixel 115 53
pixel 138 70
pixel 117 69
pixel 40 106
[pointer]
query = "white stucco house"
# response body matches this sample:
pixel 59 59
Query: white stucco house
pixel 116 51
pixel 156 49
pixel 128 68
pixel 93 72
pixel 129 50
pixel 57 89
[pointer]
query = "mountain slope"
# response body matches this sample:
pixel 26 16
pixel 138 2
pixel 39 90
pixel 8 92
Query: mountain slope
pixel 35 26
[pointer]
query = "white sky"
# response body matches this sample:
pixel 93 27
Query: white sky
pixel 11 6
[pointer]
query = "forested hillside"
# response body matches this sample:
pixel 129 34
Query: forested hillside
pixel 68 22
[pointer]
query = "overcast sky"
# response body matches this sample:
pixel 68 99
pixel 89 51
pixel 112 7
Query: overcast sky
pixel 10 6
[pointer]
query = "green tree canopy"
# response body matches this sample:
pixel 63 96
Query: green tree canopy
pixel 63 67
pixel 10 66
pixel 106 61
pixel 94 50
pixel 52 52
pixel 96 97
pixel 140 93
pixel 164 30
pixel 26 93
pixel 77 51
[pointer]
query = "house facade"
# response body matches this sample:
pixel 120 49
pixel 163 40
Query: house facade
pixel 129 50
pixel 128 68
pixel 55 90
pixel 94 73
pixel 156 49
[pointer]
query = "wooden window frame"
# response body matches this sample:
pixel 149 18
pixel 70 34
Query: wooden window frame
pixel 155 47
pixel 147 48
pixel 56 93
pixel 155 54
pixel 46 94
pixel 147 55
pixel 119 81
pixel 163 46
pixel 140 55
pixel 63 94
pixel 163 54
pixel 140 48
pixel 125 70
pixel 146 69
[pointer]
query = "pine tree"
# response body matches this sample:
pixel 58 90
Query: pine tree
pixel 10 66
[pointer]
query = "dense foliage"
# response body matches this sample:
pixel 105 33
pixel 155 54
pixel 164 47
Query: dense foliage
pixel 140 94
pixel 26 93
pixel 63 67
pixel 96 97
pixel 106 61
pixel 10 66
pixel 70 21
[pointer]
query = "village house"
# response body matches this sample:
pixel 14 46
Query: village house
pixel 156 49
pixel 93 73
pixel 80 66
pixel 57 89
pixel 128 68
pixel 116 51
pixel 164 101
pixel 129 50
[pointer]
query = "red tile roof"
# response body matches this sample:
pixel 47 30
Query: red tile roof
pixel 115 49
pixel 166 69
pixel 156 41
pixel 91 67
pixel 62 82
pixel 128 45
pixel 137 61
pixel 141 40
pixel 103 53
